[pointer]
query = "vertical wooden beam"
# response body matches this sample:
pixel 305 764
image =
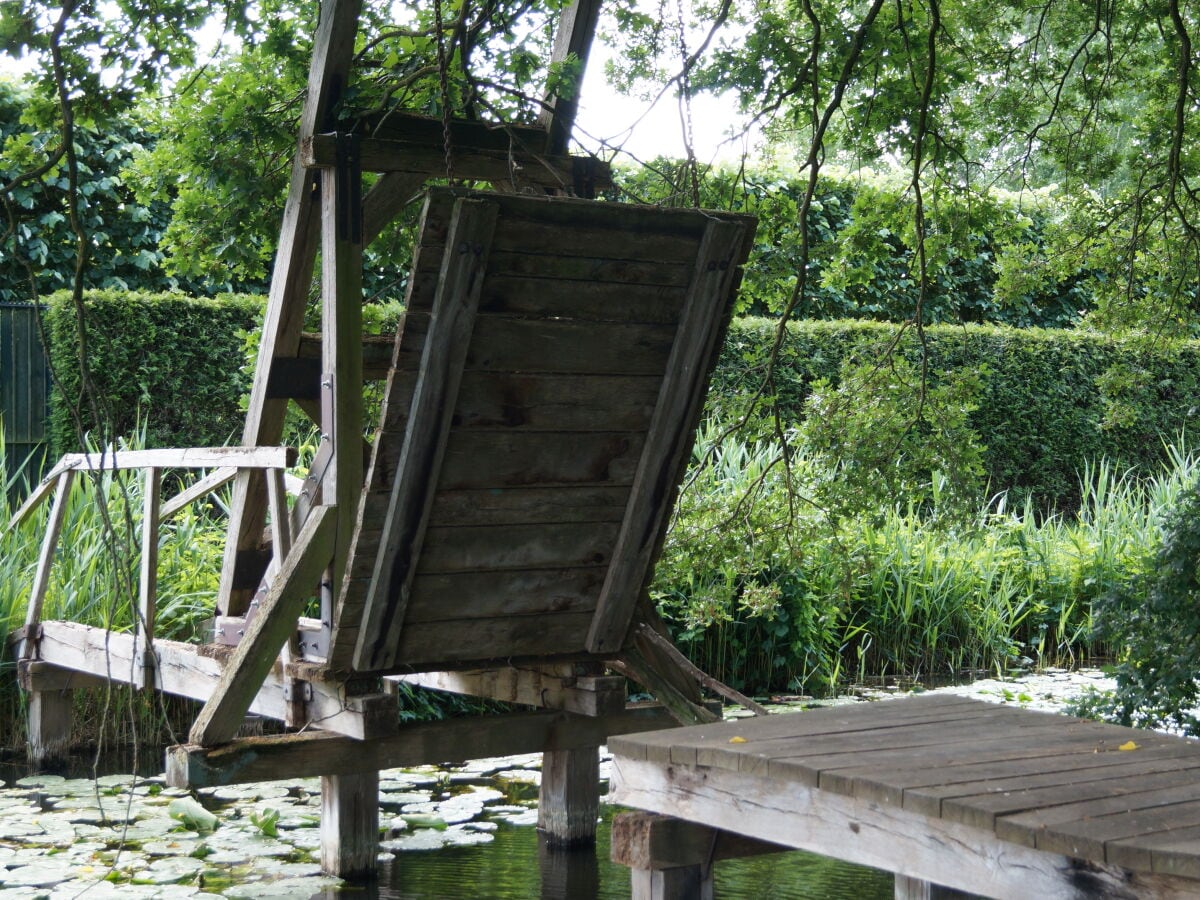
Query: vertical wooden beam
pixel 246 670
pixel 49 726
pixel 576 29
pixel 682 883
pixel 333 49
pixel 341 345
pixel 41 578
pixel 148 578
pixel 350 824
pixel 670 435
pixel 567 872
pixel 916 889
pixel 464 265
pixel 569 797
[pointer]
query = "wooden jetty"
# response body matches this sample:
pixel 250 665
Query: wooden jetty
pixel 495 534
pixel 951 794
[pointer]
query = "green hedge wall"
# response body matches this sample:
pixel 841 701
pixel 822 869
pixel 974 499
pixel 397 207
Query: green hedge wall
pixel 175 361
pixel 1051 402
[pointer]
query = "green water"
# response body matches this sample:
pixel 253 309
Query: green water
pixel 515 867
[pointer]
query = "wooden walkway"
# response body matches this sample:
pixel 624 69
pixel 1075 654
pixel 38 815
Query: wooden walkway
pixel 941 790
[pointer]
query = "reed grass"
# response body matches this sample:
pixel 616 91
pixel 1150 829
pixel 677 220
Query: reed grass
pixel 902 593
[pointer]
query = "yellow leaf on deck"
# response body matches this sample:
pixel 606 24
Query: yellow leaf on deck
pixel 1128 745
pixel 737 740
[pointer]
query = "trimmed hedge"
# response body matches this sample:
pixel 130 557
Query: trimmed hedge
pixel 1051 401
pixel 177 362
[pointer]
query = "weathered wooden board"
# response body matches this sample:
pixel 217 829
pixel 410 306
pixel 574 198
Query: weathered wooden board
pixel 500 547
pixel 530 637
pixel 510 593
pixel 531 505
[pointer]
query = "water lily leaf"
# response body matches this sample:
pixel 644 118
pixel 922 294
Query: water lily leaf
pixel 192 815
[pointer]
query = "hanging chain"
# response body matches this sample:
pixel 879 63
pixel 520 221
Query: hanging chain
pixel 444 86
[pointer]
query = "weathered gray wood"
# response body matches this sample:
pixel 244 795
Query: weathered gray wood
pixel 572 40
pixel 683 883
pixel 477 164
pixel 221 716
pixel 41 578
pixel 193 492
pixel 36 675
pixel 333 48
pixel 643 840
pixel 148 576
pixel 349 824
pixel 552 687
pixel 187 670
pixel 341 350
pixel 428 427
pixel 873 834
pixel 496 547
pixel 404 125
pixel 49 725
pixel 569 796
pixel 513 592
pixel 670 434
pixel 476 640
pixel 530 505
pixel 319 753
pixel 386 199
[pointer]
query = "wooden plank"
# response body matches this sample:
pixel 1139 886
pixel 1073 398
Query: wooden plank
pixel 643 840
pixel 333 49
pixel 498 547
pixel 523 236
pixel 873 834
pixel 671 433
pixel 569 796
pixel 402 125
pixel 41 578
pixel 518 401
pixel 221 716
pixel 1173 852
pixel 316 753
pixel 590 696
pixel 514 592
pixel 212 481
pixel 480 640
pixel 475 164
pixel 476 460
pixel 37 675
pixel 553 267
pixel 593 301
pixel 148 576
pixel 530 505
pixel 187 670
pixel 386 199
pixel 425 438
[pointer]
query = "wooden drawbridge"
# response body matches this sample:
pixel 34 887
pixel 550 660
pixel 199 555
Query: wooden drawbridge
pixel 497 534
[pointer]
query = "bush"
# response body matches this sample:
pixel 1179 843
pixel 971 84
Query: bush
pixel 1047 403
pixel 177 362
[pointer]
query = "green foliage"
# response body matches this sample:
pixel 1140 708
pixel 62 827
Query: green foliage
pixel 175 362
pixel 1043 403
pixel 1152 617
pixel 987 256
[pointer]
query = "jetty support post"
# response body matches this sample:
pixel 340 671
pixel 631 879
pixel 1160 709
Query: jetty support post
pixel 670 859
pixel 569 797
pixel 350 825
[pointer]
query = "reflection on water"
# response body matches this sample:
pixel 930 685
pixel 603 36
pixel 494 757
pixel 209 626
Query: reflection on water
pixel 515 867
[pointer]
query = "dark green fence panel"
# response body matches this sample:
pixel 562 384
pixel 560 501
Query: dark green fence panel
pixel 24 390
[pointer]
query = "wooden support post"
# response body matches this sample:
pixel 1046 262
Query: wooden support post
pixel 333 48
pixel 148 579
pixel 41 579
pixel 567 872
pixel 49 726
pixel 569 798
pixel 576 28
pixel 350 824
pixel 681 883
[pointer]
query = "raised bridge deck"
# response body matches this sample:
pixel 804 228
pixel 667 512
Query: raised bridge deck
pixel 941 790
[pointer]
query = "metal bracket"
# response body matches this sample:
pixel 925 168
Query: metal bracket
pixel 297 692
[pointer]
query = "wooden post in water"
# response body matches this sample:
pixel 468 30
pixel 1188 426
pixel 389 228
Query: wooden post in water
pixel 49 726
pixel 569 798
pixel 916 889
pixel 350 824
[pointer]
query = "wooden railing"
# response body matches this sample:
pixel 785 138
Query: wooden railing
pixel 225 462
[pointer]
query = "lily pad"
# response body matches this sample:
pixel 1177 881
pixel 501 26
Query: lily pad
pixel 284 888
pixel 192 815
pixel 170 870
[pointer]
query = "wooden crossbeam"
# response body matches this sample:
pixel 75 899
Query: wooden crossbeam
pixel 587 695
pixel 474 163
pixel 576 29
pixel 474 737
pixel 669 439
pixel 471 227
